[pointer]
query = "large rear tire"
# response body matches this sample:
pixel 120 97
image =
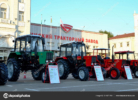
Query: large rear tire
pixel 114 73
pixel 63 68
pixel 13 69
pixel 3 74
pixel 83 73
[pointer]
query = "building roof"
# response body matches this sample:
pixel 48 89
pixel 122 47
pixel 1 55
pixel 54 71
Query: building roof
pixel 123 36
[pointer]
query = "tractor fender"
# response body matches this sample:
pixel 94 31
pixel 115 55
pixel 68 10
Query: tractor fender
pixel 65 58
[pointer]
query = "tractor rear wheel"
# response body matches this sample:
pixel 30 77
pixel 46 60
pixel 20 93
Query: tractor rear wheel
pixel 114 73
pixel 83 73
pixel 13 69
pixel 36 76
pixel 136 73
pixel 3 74
pixel 45 76
pixel 63 68
pixel 75 75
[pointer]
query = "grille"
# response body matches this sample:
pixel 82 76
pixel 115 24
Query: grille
pixel 49 56
pixel 123 62
pixel 93 60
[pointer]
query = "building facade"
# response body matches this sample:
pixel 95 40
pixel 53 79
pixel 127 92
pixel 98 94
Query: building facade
pixel 124 42
pixel 136 33
pixel 14 22
pixel 54 36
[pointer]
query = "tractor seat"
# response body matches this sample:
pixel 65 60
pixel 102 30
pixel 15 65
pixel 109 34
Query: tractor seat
pixel 100 59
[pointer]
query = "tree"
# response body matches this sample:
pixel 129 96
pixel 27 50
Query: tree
pixel 108 33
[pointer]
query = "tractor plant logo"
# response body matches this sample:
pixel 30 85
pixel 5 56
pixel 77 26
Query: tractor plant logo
pixel 66 27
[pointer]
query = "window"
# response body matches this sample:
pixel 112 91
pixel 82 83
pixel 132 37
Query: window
pixel 96 46
pixel 120 44
pixel 3 13
pixel 19 33
pixel 21 16
pixel 23 45
pixel 62 53
pixel 17 49
pixel 127 44
pixel 68 51
pixel 114 45
pixel 93 47
pixel 22 1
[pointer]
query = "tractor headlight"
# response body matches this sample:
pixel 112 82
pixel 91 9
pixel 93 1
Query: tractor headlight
pixel 47 61
pixel 51 61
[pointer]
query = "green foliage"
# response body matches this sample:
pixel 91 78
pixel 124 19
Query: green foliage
pixel 108 33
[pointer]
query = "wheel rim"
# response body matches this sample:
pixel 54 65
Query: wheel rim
pixel 10 70
pixel 61 69
pixel 81 74
pixel 136 73
pixel 43 76
pixel 113 73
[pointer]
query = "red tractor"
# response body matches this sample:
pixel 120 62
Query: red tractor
pixel 113 67
pixel 133 63
pixel 73 59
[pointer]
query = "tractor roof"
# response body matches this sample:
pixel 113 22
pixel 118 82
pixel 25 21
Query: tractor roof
pixel 124 52
pixel 101 49
pixel 74 42
pixel 29 36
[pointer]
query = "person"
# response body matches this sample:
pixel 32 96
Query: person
pixel 102 57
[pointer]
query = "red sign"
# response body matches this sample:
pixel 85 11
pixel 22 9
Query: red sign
pixel 66 27
pixel 57 37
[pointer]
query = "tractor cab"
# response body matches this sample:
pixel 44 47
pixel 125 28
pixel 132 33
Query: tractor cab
pixel 128 57
pixel 29 43
pixel 73 51
pixel 101 58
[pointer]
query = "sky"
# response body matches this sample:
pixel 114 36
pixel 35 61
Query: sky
pixel 115 16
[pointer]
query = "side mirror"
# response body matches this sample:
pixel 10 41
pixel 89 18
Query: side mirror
pixel 13 41
pixel 43 40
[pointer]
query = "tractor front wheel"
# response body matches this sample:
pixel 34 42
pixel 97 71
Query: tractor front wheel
pixel 136 73
pixel 13 69
pixel 36 75
pixel 114 73
pixel 45 76
pixel 63 68
pixel 83 73
pixel 3 74
pixel 75 75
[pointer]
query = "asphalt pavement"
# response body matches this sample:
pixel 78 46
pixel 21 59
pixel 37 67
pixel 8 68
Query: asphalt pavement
pixel 71 84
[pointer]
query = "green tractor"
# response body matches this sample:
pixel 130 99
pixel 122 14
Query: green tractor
pixel 3 73
pixel 28 54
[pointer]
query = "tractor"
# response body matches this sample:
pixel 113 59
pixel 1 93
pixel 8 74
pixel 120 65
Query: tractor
pixel 72 59
pixel 133 63
pixel 3 73
pixel 29 54
pixel 113 67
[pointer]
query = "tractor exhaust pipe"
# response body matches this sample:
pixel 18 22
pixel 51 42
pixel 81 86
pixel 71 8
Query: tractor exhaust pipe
pixel 112 54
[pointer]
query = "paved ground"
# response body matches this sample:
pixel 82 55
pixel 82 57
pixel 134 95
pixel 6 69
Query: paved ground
pixel 71 84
